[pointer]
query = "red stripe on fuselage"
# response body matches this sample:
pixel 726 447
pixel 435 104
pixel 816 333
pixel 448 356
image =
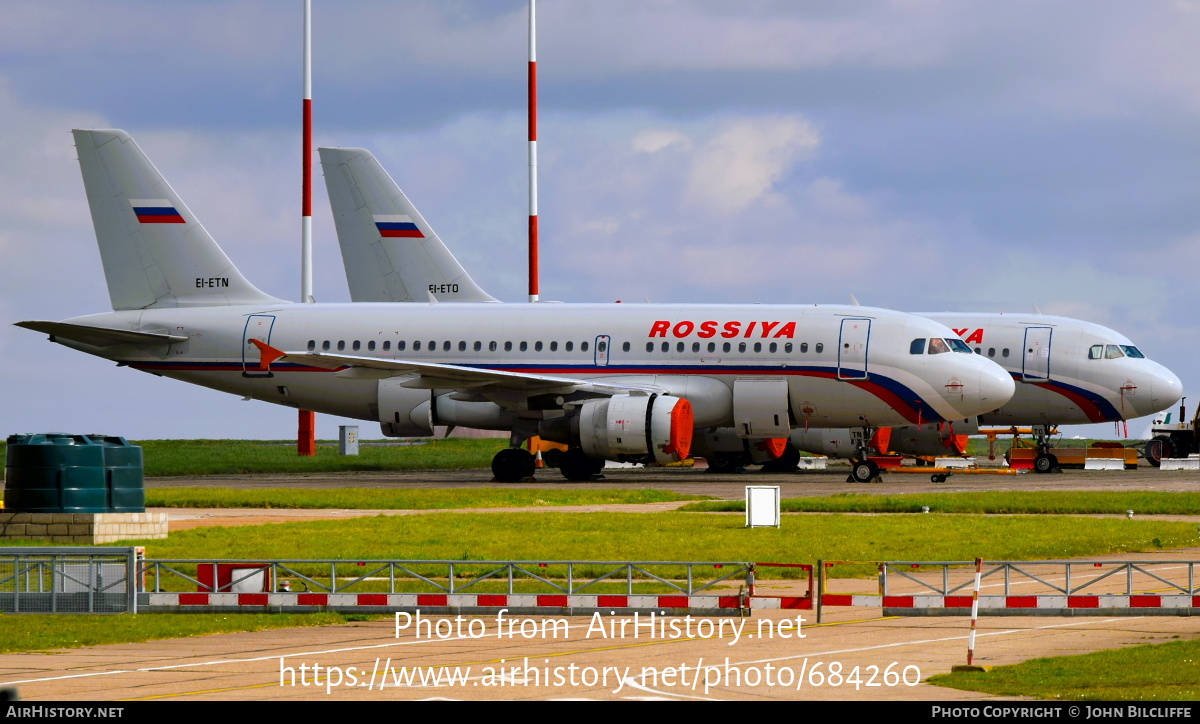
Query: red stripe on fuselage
pixel 1091 409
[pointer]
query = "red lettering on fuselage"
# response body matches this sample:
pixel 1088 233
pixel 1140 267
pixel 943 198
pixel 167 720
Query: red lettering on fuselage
pixel 974 337
pixel 709 328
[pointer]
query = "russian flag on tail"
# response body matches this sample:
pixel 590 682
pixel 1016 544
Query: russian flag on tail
pixel 156 211
pixel 397 227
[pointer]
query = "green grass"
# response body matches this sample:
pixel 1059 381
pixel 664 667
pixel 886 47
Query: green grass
pixel 228 457
pixel 167 458
pixel 1161 672
pixel 673 537
pixel 37 632
pixel 402 499
pixel 997 502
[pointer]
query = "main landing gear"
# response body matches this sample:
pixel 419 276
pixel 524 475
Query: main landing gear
pixel 512 465
pixel 578 467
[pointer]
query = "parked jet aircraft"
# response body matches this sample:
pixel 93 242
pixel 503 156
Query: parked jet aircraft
pixel 1068 372
pixel 1097 375
pixel 612 381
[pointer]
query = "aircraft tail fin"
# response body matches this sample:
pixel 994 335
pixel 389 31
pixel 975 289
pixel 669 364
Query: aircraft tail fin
pixel 390 252
pixel 155 253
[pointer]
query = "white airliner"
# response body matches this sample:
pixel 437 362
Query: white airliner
pixel 1095 374
pixel 1067 372
pixel 613 381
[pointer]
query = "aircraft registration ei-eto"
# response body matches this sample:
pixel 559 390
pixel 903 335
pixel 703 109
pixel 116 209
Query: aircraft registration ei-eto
pixel 1093 375
pixel 613 381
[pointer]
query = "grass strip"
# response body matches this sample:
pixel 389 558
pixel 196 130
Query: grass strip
pixel 672 537
pixel 1158 672
pixel 167 458
pixel 38 632
pixel 402 499
pixel 990 502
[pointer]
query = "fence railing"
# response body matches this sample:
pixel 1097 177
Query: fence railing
pixel 445 576
pixel 68 580
pixel 1013 578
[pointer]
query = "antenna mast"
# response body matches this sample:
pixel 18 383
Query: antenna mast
pixel 533 219
pixel 306 425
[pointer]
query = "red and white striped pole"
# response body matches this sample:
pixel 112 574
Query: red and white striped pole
pixel 533 218
pixel 306 427
pixel 974 612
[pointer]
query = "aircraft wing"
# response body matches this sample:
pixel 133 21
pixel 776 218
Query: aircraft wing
pixel 101 336
pixel 430 375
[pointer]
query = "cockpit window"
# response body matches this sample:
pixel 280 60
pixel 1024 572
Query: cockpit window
pixel 917 346
pixel 1113 351
pixel 958 345
pixel 1096 352
pixel 937 345
pixel 1132 351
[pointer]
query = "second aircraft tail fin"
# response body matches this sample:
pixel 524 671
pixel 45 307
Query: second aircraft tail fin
pixel 155 253
pixel 390 252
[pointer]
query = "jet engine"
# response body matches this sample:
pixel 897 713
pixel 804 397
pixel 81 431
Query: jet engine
pixel 934 439
pixel 640 425
pixel 404 412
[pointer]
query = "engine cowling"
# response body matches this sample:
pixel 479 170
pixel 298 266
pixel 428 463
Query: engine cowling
pixel 404 412
pixel 832 442
pixel 934 439
pixel 657 425
pixel 724 443
pixel 473 414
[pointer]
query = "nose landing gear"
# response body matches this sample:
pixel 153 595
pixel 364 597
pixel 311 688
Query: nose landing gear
pixel 862 468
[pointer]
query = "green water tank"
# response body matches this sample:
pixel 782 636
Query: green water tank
pixel 123 466
pixel 65 473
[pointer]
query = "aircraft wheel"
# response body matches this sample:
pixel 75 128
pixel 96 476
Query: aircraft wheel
pixel 864 472
pixel 726 463
pixel 1157 449
pixel 1045 463
pixel 785 463
pixel 578 467
pixel 552 458
pixel 512 464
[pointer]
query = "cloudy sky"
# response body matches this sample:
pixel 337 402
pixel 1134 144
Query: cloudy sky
pixel 924 155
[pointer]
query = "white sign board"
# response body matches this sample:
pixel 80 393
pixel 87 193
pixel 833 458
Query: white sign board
pixel 762 506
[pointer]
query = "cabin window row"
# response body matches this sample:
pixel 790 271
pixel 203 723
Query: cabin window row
pixel 757 347
pixel 446 346
pixel 992 351
pixel 494 346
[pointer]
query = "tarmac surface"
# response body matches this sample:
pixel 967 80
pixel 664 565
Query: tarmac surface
pixel 854 655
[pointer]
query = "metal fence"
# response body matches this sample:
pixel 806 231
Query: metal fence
pixel 68 580
pixel 444 576
pixel 1016 578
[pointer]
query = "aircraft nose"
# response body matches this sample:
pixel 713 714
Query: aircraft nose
pixel 996 387
pixel 1165 390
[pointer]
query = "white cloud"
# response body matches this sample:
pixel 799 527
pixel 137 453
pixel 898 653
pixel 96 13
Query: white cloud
pixel 744 161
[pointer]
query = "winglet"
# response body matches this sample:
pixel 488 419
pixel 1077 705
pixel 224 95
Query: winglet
pixel 269 353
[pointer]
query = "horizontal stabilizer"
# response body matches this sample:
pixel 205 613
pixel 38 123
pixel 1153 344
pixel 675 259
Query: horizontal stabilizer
pixel 101 336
